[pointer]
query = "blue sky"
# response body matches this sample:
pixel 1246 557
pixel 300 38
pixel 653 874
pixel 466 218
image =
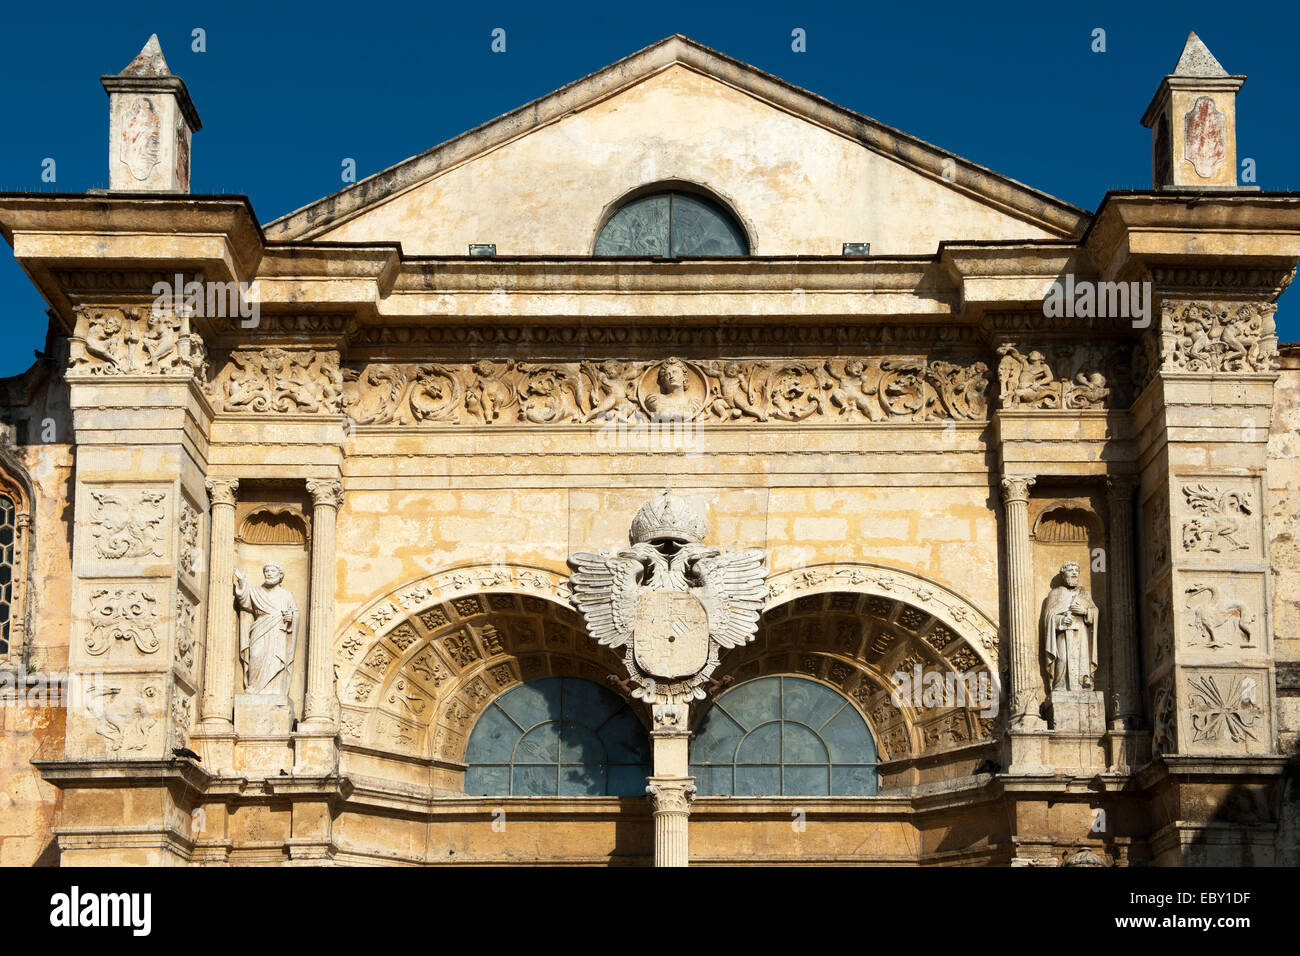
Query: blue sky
pixel 286 91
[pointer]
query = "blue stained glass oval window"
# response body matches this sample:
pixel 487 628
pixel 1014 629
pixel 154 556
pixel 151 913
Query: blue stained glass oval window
pixel 558 736
pixel 784 736
pixel 671 224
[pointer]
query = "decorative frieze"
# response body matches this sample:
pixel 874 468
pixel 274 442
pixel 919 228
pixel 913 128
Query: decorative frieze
pixel 1034 380
pixel 279 381
pixel 822 390
pixel 746 339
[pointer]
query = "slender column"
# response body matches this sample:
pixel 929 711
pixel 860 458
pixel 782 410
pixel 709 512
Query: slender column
pixel 326 498
pixel 1026 686
pixel 670 788
pixel 671 798
pixel 219 658
pixel 1125 678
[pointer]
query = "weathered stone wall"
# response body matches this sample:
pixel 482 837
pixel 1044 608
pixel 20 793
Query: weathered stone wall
pixel 31 706
pixel 1282 526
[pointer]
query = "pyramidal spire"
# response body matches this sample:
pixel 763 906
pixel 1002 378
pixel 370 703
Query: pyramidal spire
pixel 150 61
pixel 1193 123
pixel 150 122
pixel 1197 60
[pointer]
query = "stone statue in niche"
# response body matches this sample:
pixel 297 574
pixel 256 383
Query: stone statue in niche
pixel 268 634
pixel 1070 619
pixel 1070 623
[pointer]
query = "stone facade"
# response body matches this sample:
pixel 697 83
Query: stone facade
pixel 420 438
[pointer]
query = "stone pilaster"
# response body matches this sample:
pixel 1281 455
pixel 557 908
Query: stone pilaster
pixel 219 661
pixel 327 498
pixel 1026 684
pixel 1125 668
pixel 671 798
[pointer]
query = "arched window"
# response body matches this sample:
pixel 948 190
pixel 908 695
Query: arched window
pixel 783 736
pixel 8 568
pixel 557 736
pixel 671 223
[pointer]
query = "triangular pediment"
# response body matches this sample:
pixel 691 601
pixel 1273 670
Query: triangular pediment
pixel 802 175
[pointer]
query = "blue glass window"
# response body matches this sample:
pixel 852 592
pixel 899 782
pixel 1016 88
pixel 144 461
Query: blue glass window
pixel 783 736
pixel 671 224
pixel 558 736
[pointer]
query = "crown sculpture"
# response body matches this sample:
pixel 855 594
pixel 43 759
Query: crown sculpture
pixel 670 601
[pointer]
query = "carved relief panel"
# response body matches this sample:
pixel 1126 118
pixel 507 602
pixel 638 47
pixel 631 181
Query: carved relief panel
pixel 125 528
pixel 1225 711
pixel 109 343
pixel 1220 617
pixel 1219 518
pixel 118 715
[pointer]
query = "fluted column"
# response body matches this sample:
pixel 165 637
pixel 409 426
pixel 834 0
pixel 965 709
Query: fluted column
pixel 219 657
pixel 1026 685
pixel 326 498
pixel 671 799
pixel 1125 676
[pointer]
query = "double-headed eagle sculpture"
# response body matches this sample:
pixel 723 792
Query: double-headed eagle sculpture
pixel 669 600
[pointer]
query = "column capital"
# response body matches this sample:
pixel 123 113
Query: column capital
pixel 325 492
pixel 1016 487
pixel 1121 487
pixel 222 491
pixel 671 794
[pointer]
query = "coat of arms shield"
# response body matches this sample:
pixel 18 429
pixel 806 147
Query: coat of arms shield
pixel 670 634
